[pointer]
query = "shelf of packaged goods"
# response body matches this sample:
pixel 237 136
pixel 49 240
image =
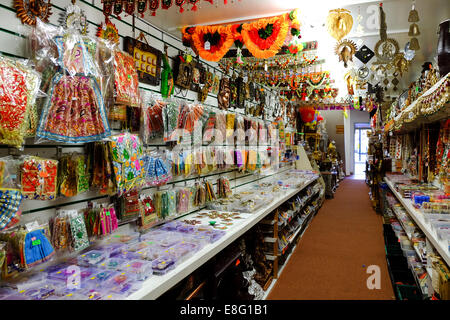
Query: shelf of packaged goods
pixel 426 228
pixel 158 285
pixel 292 214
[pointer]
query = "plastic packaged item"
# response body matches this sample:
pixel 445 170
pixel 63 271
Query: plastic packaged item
pixel 141 268
pixel 122 284
pixel 113 248
pixel 19 85
pixel 92 257
pixel 157 168
pixel 113 264
pixel 38 178
pixel 183 250
pixel 125 79
pixel 41 292
pixel 100 278
pixel 10 201
pixel 152 114
pixel 162 265
pixel 127 153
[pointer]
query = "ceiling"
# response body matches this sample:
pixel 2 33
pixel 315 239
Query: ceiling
pixel 313 16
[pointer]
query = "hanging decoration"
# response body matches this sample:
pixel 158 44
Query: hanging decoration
pixel 414 28
pixel 108 31
pixel 107 7
pixel 263 38
pixel 147 59
pixel 118 7
pixel 194 4
pixel 209 42
pixel 130 6
pixel 142 7
pixel 339 23
pixel 29 10
pixel 73 18
pixel 166 4
pixel 345 50
pixel 153 6
pixel 180 3
pixel 364 54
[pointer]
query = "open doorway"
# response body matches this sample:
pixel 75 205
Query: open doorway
pixel 361 147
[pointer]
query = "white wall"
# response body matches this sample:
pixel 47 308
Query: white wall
pixel 334 118
pixel 354 116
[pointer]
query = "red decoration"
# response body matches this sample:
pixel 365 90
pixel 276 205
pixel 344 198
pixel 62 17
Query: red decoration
pixel 194 4
pixel 154 5
pixel 130 6
pixel 166 4
pixel 180 3
pixel 307 114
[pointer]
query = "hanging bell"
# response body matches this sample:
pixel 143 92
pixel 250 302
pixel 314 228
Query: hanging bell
pixel 414 44
pixel 413 30
pixel 413 15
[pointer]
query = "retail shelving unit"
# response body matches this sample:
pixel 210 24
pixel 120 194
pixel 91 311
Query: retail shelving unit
pixel 158 285
pixel 426 228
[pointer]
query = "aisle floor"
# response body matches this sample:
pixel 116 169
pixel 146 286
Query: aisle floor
pixel 331 259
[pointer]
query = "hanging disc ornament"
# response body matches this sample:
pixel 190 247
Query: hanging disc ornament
pixel 386 50
pixel 166 4
pixel 153 5
pixel 29 10
pixel 363 72
pixel 345 50
pixel 339 23
pixel 180 3
pixel 141 7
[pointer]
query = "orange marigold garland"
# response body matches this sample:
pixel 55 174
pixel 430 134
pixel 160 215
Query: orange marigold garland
pixel 265 37
pixel 220 40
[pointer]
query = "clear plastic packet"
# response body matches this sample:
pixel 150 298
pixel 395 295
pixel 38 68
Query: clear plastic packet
pixel 140 268
pixel 105 59
pixel 100 168
pixel 262 133
pixel 148 216
pixel 19 85
pixel 208 130
pixel 125 79
pixel 199 161
pixel 220 134
pixel 152 116
pixel 39 178
pixel 183 199
pixel 10 192
pixel 240 130
pixel 157 167
pixel 199 195
pixel 127 154
pixel 230 118
pixel 209 155
pixel 210 194
pixel 189 162
pixel 224 188
pixel 170 120
pixel 177 160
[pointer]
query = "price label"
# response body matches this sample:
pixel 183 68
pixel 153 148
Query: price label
pixel 207 46
pixel 36 242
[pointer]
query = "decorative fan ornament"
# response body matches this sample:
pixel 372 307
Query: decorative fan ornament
pixel 339 23
pixel 108 31
pixel 29 10
pixel 73 18
pixel 345 50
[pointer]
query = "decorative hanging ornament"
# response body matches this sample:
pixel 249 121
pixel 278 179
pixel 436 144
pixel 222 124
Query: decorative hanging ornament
pixel 364 54
pixel 118 7
pixel 385 50
pixel 363 72
pixel 409 54
pixel 141 7
pixel 130 6
pixel 107 7
pixel 413 14
pixel 108 31
pixel 345 50
pixel 180 3
pixel 339 23
pixel 73 18
pixel 166 4
pixel 359 27
pixel 153 6
pixel 29 10
pixel 194 4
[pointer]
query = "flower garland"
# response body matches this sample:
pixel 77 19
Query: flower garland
pixel 265 37
pixel 220 40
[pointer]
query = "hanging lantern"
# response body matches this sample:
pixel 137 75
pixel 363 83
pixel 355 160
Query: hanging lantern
pixel 413 30
pixel 307 114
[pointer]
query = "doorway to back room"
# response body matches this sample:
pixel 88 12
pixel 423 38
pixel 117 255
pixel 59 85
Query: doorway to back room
pixel 361 147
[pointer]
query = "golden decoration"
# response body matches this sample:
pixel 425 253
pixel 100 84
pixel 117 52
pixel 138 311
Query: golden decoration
pixel 345 50
pixel 29 10
pixel 400 63
pixel 339 23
